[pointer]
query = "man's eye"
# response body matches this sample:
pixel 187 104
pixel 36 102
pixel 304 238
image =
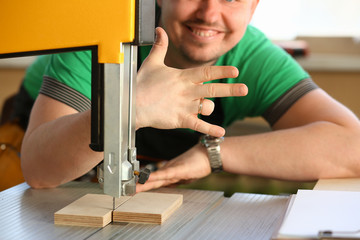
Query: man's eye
pixel 233 1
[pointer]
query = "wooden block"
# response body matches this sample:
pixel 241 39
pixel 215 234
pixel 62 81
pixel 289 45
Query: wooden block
pixel 148 207
pixel 91 210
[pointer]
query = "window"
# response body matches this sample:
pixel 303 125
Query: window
pixel 287 19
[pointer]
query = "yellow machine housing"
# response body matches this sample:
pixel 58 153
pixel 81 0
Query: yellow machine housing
pixel 37 25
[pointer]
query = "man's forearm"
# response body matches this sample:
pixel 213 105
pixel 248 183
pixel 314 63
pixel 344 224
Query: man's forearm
pixel 310 152
pixel 58 151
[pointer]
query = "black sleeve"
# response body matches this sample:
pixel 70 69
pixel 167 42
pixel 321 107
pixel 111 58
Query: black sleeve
pixel 282 104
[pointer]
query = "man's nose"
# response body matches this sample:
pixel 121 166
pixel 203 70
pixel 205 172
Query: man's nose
pixel 209 10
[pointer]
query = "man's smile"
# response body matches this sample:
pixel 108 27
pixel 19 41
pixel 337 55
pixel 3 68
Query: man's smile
pixel 203 32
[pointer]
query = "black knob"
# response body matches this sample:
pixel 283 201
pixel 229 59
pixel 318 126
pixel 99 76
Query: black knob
pixel 144 175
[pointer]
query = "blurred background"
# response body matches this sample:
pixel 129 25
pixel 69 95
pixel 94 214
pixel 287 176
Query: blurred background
pixel 322 35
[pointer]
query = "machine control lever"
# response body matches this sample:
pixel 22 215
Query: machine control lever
pixel 143 175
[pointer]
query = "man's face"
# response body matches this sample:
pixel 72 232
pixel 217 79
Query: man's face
pixel 200 31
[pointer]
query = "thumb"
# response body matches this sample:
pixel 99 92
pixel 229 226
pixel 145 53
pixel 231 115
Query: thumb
pixel 159 49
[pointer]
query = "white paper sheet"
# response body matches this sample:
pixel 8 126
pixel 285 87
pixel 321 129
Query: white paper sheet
pixel 316 210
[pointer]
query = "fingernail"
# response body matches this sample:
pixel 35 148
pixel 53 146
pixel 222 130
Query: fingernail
pixel 156 34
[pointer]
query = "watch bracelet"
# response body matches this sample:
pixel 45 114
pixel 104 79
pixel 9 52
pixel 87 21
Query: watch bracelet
pixel 214 158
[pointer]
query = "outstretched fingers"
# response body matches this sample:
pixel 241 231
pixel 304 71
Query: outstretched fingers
pixel 212 90
pixel 209 73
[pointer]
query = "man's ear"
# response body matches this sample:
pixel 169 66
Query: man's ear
pixel 159 2
pixel 253 7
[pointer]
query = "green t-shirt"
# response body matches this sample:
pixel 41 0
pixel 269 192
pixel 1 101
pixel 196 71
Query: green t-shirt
pixel 34 75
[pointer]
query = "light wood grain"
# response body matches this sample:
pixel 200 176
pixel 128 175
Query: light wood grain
pixel 91 210
pixel 148 207
pixel 343 184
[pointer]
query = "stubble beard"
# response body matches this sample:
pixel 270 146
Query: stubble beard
pixel 198 59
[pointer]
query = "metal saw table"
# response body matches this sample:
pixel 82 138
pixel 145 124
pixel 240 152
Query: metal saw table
pixel 27 213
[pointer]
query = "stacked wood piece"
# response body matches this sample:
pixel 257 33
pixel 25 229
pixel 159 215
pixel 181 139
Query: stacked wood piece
pixel 91 210
pixel 148 207
pixel 95 210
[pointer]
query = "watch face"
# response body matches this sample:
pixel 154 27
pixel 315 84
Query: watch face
pixel 210 140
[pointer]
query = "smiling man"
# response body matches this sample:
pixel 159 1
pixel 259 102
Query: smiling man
pixel 314 135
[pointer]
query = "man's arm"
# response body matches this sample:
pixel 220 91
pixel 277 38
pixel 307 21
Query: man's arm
pixel 56 148
pixel 316 138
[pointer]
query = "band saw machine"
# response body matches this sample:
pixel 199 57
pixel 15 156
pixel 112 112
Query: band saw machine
pixel 112 30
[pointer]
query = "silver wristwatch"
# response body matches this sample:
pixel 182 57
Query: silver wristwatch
pixel 212 145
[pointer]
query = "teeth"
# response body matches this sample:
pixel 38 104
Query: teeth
pixel 203 33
